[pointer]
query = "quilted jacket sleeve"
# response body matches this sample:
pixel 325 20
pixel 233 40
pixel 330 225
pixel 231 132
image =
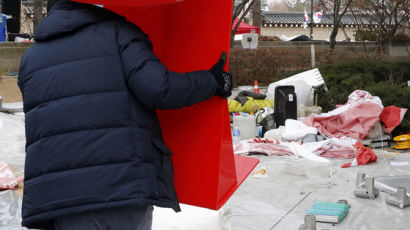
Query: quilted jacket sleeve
pixel 151 82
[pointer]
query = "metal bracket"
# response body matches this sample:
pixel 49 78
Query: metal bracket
pixel 400 199
pixel 365 187
pixel 310 223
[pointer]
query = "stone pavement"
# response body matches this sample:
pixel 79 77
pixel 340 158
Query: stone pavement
pixel 281 200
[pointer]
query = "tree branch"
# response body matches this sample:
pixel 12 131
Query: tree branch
pixel 243 16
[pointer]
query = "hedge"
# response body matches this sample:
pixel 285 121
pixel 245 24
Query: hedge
pixel 268 64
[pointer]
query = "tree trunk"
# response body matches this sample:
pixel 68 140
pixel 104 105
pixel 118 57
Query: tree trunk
pixel 245 11
pixel 232 37
pixel 332 39
pixel 256 14
pixel 37 13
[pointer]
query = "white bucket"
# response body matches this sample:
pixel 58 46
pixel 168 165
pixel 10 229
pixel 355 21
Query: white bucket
pixel 246 124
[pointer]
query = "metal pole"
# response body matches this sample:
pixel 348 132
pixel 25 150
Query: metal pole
pixel 312 53
pixel 311 19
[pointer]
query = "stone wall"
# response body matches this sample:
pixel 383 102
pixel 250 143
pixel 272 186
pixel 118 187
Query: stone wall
pixel 10 55
pixel 398 50
pixel 319 33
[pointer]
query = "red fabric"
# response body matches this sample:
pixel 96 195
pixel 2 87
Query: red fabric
pixel 339 152
pixel 347 165
pixel 8 180
pixel 354 119
pixel 364 155
pixel 244 28
pixel 356 122
pixel 392 117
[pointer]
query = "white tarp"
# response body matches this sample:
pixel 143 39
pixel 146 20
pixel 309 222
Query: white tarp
pixel 12 141
pixel 296 130
pixel 10 211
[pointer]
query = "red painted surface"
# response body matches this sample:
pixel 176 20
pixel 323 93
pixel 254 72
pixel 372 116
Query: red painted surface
pixel 190 35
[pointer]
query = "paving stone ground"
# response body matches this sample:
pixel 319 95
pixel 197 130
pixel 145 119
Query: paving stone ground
pixel 9 90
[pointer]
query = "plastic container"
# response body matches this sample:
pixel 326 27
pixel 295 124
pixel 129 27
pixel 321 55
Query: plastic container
pixel 236 135
pixel 246 124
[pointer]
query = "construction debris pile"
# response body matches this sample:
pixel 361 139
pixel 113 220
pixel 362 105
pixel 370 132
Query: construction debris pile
pixel 295 125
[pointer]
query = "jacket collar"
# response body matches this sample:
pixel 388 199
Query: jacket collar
pixel 66 17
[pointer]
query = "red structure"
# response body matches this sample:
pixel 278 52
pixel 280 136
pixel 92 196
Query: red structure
pixel 190 35
pixel 244 28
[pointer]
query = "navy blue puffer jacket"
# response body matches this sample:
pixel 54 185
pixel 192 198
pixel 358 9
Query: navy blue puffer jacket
pixel 90 85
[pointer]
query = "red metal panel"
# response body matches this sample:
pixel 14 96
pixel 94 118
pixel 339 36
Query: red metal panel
pixel 190 35
pixel 129 3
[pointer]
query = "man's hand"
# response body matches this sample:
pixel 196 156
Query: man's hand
pixel 224 79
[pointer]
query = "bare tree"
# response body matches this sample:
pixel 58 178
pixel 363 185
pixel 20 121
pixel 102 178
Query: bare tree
pixel 240 11
pixel 37 13
pixel 388 17
pixel 337 9
pixel 296 5
pixel 256 14
pixel 278 6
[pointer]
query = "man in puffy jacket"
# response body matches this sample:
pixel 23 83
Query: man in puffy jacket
pixel 95 154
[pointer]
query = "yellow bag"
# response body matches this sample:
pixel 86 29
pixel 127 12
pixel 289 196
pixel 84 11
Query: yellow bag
pixel 235 106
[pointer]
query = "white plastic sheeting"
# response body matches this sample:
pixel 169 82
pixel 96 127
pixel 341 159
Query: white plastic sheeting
pixel 300 150
pixel 190 217
pixel 296 130
pixel 12 141
pixel 12 151
pixel 280 201
pixel 10 211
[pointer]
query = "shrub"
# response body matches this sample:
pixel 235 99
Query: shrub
pixel 268 38
pixel 265 64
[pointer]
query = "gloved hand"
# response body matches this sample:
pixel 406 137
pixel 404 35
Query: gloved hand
pixel 224 79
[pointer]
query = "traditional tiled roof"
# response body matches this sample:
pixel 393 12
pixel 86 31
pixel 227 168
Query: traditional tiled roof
pixel 270 18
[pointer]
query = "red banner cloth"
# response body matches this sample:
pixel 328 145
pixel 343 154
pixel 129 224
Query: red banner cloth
pixel 392 117
pixel 364 155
